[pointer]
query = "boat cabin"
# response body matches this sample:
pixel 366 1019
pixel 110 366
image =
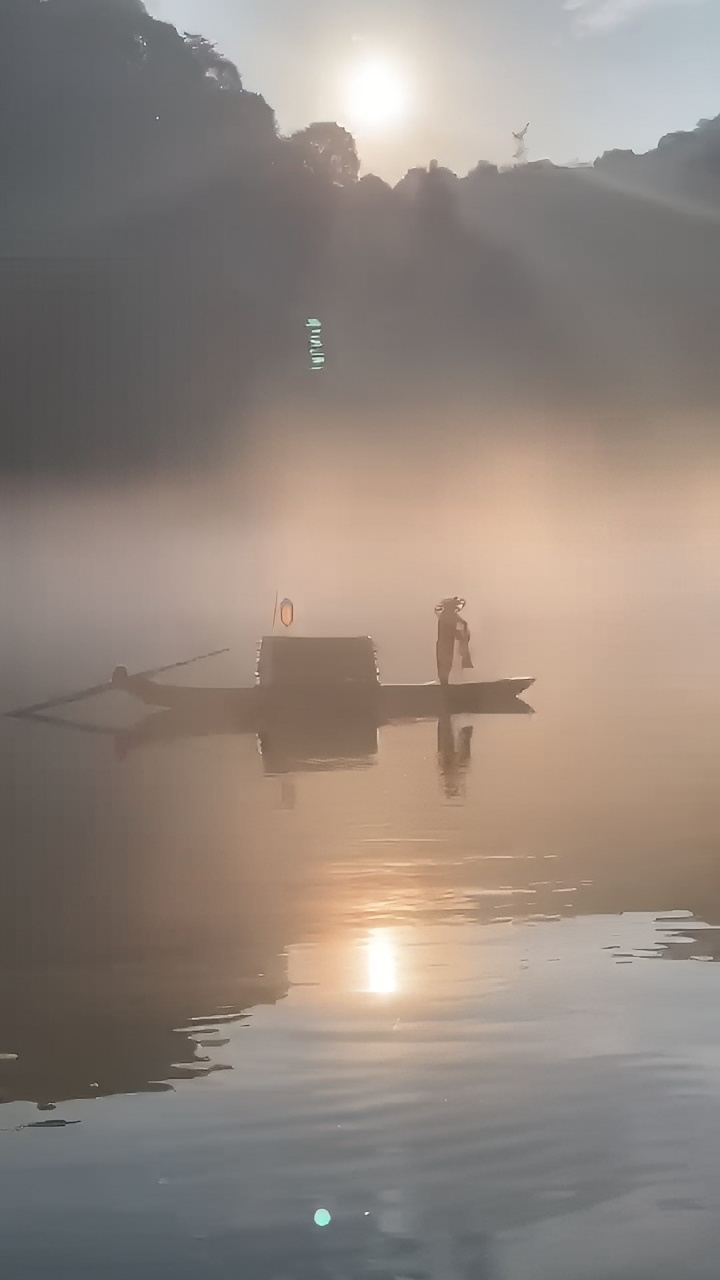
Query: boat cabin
pixel 309 662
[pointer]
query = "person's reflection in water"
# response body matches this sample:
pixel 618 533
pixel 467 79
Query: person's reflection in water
pixel 288 793
pixel 454 755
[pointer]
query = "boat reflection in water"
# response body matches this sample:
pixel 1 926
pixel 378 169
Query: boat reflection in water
pixel 289 743
pixel 310 746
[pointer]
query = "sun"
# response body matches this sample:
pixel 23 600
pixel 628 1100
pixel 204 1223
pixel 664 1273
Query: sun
pixel 377 94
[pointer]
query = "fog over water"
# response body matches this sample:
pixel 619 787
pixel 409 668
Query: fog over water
pixel 576 557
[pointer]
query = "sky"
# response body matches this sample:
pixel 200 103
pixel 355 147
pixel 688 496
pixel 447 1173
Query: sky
pixel 590 75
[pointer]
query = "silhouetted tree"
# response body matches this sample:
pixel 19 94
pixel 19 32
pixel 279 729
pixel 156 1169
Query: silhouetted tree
pixel 483 169
pixel 216 66
pixel 328 151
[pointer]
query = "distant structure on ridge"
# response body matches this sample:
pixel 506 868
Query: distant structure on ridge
pixel 520 153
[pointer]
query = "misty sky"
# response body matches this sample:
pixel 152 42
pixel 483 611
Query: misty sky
pixel 590 74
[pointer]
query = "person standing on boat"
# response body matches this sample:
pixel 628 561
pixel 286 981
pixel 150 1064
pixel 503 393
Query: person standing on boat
pixel 452 630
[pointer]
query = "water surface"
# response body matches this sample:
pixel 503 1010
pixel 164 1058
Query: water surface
pixel 425 985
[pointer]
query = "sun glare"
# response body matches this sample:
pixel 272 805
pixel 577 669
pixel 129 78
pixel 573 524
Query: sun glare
pixel 377 94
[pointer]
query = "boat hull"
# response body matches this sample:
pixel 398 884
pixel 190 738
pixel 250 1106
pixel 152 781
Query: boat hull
pixel 415 701
pixel 251 707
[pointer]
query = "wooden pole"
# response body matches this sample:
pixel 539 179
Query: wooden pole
pixel 50 705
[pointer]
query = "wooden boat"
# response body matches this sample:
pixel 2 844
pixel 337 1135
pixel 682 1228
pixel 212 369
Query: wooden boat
pixel 325 677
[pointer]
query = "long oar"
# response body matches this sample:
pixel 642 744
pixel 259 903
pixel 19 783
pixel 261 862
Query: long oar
pixel 104 688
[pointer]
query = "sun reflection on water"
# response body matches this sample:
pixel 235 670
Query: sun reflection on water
pixel 382 963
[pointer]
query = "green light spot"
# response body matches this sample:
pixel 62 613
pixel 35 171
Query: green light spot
pixel 322 1218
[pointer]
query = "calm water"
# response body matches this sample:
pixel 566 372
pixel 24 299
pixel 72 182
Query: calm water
pixel 452 987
